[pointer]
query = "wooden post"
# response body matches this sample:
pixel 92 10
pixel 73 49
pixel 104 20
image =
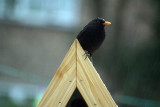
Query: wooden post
pixel 76 72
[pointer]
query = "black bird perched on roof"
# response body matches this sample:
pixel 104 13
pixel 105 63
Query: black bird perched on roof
pixel 92 35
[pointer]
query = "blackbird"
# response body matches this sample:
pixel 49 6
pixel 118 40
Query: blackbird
pixel 92 35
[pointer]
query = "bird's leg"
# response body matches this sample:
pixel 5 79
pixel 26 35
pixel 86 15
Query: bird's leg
pixel 89 55
pixel 86 54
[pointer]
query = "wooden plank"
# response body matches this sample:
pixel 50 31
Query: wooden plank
pixel 76 71
pixel 63 83
pixel 90 84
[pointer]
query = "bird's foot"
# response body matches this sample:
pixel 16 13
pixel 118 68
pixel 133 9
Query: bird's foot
pixel 87 54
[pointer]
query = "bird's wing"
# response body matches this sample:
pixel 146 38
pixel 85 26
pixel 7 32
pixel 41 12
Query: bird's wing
pixel 81 34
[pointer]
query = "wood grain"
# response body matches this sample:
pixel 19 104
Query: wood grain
pixel 90 84
pixel 76 72
pixel 63 83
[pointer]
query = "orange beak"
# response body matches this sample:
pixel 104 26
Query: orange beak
pixel 106 23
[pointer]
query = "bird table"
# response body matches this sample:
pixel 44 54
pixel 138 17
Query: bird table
pixel 76 72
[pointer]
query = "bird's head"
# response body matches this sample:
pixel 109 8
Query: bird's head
pixel 99 22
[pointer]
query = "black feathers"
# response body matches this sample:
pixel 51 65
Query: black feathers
pixel 92 35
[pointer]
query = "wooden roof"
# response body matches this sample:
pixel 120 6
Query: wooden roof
pixel 76 72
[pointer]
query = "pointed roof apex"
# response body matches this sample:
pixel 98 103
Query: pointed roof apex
pixel 76 72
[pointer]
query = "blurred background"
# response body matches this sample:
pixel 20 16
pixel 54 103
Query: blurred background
pixel 35 35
